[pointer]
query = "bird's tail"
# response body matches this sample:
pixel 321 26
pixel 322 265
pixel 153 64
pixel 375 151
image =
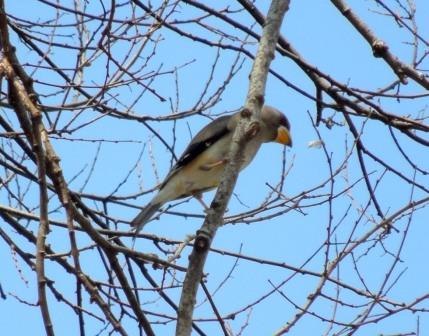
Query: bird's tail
pixel 145 215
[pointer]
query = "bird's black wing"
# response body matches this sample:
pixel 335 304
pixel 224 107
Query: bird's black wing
pixel 204 139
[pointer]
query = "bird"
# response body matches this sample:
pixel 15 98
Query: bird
pixel 200 167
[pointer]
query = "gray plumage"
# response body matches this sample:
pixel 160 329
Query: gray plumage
pixel 145 215
pixel 201 165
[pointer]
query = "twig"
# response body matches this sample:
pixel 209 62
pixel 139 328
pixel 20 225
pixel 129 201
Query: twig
pixel 214 219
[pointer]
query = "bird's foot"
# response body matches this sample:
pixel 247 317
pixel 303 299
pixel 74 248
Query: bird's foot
pixel 209 166
pixel 199 198
pixel 253 129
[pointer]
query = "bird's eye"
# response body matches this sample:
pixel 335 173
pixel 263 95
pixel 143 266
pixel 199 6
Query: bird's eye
pixel 285 122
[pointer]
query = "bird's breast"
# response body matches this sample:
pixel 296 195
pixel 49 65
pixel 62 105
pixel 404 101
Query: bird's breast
pixel 205 171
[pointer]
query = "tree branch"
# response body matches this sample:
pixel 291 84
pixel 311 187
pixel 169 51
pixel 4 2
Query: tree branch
pixel 380 48
pixel 250 115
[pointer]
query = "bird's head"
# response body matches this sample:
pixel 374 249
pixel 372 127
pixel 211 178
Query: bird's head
pixel 277 126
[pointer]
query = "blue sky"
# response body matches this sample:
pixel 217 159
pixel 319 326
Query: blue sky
pixel 325 39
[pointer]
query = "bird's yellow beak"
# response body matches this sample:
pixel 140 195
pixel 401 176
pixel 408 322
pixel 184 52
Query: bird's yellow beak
pixel 283 136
